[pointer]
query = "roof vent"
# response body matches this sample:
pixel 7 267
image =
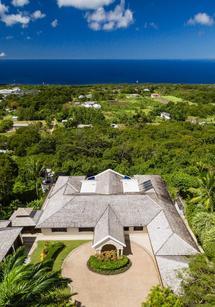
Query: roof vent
pixel 147 185
pixel 126 177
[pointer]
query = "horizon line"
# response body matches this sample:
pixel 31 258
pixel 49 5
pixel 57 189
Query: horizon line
pixel 107 59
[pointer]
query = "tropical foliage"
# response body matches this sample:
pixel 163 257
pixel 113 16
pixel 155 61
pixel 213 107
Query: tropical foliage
pixel 205 193
pixel 199 283
pixel 162 297
pixel 24 284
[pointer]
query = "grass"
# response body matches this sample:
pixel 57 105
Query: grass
pixel 173 99
pixel 69 246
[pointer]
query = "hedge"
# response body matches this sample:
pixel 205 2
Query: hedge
pixel 109 267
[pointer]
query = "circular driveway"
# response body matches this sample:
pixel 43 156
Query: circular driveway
pixel 128 289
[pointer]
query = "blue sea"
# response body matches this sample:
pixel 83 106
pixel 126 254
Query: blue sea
pixel 106 71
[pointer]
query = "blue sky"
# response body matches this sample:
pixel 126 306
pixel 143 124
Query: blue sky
pixel 115 29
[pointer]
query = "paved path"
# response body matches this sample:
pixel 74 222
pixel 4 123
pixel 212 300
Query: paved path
pixel 128 289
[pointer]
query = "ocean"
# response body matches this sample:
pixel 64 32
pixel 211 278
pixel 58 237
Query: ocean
pixel 106 71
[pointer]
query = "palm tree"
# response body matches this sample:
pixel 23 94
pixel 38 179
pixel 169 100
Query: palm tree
pixel 28 284
pixel 34 170
pixel 205 193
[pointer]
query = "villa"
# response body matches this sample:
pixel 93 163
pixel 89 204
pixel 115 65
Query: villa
pixel 155 95
pixel 110 207
pixel 111 210
pixel 165 115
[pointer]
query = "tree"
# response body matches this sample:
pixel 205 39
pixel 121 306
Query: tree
pixel 208 241
pixel 28 284
pixel 162 297
pixel 8 173
pixel 199 283
pixel 205 193
pixel 201 222
pixel 34 168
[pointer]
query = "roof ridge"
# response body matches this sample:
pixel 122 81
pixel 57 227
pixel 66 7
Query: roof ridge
pixel 164 242
pixel 51 195
pixel 72 186
pixel 101 215
pixel 115 214
pixel 56 211
pixel 169 238
pixel 109 169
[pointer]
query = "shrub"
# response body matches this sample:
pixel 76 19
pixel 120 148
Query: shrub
pixel 106 264
pixel 201 222
pixel 53 250
pixel 208 240
pixel 198 284
pixel 162 297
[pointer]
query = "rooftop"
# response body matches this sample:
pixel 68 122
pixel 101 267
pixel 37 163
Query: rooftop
pixel 8 236
pixel 141 200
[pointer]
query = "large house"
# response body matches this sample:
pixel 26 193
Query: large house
pixel 111 207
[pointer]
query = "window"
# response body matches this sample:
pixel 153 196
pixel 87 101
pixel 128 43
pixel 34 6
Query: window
pixel 86 229
pixel 138 228
pixel 126 228
pixel 59 229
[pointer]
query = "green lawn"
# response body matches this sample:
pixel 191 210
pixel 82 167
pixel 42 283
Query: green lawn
pixel 173 98
pixel 69 246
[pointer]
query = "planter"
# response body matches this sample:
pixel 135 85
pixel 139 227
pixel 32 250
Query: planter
pixel 105 271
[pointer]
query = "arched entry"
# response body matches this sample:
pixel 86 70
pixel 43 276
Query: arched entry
pixel 108 248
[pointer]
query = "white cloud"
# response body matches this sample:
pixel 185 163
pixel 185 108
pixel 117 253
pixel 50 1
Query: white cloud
pixel 38 15
pixel 84 4
pixel 2 54
pixel 12 19
pixel 201 19
pixel 21 18
pixel 3 9
pixel 20 2
pixel 54 23
pixel 150 25
pixel 114 19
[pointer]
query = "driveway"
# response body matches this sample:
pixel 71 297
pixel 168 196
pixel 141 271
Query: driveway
pixel 128 289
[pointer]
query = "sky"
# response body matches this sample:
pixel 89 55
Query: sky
pixel 107 29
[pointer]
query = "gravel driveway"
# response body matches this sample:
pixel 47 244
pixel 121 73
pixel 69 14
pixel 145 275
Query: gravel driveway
pixel 128 289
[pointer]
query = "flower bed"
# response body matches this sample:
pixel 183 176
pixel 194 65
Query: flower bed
pixel 107 265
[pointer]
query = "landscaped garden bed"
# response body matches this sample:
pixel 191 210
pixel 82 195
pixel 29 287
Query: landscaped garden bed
pixel 107 263
pixel 56 250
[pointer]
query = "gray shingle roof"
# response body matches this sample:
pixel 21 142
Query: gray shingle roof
pixel 25 217
pixel 85 210
pixel 108 227
pixel 4 223
pixel 151 207
pixel 8 236
pixel 160 195
pixel 109 182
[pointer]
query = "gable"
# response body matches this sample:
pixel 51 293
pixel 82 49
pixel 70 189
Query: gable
pixel 176 246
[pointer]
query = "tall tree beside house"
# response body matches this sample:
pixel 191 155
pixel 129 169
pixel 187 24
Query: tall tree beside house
pixel 30 284
pixel 34 169
pixel 198 283
pixel 8 173
pixel 205 193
